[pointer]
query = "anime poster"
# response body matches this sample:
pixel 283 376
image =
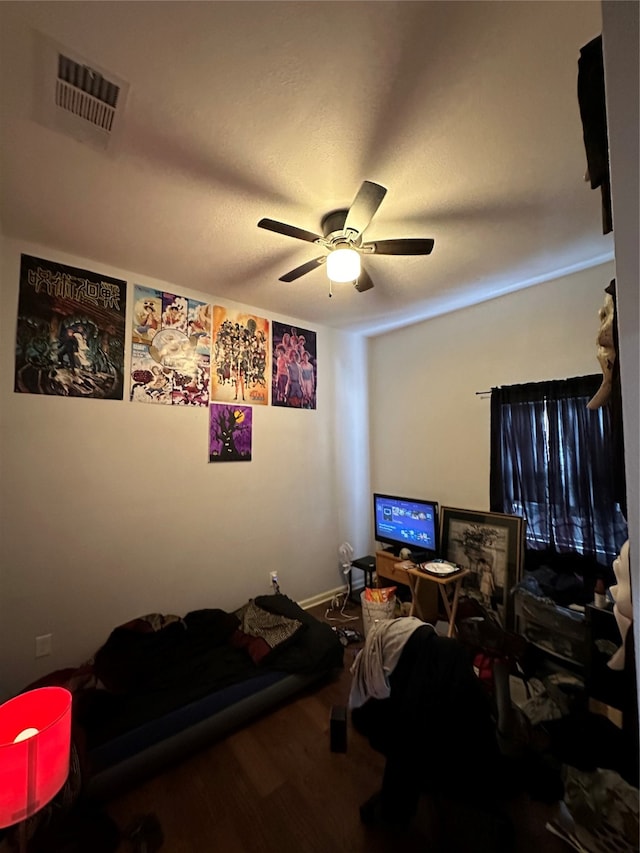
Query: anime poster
pixel 71 329
pixel 230 431
pixel 171 347
pixel 294 368
pixel 241 358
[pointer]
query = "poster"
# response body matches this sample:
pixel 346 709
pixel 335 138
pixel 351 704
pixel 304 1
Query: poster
pixel 294 368
pixel 230 433
pixel 240 358
pixel 70 333
pixel 171 349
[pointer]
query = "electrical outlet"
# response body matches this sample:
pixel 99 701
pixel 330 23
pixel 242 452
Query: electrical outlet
pixel 43 645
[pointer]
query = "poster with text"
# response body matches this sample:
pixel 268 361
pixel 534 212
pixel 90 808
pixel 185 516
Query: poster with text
pixel 294 368
pixel 70 334
pixel 240 358
pixel 230 433
pixel 171 349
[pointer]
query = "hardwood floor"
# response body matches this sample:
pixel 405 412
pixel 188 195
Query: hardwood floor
pixel 274 786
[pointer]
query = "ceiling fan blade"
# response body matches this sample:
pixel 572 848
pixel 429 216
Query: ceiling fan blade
pixel 288 230
pixel 364 281
pixel 409 246
pixel 367 201
pixel 304 269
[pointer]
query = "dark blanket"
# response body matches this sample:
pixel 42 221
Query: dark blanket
pixel 150 672
pixel 148 655
pixel 435 729
pixel 315 648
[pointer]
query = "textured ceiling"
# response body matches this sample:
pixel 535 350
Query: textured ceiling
pixel 466 112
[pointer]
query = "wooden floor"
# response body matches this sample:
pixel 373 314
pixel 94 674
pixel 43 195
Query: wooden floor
pixel 274 786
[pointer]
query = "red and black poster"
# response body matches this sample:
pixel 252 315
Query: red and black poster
pixel 71 330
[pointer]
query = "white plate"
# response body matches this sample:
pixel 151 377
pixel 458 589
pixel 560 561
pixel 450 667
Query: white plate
pixel 441 569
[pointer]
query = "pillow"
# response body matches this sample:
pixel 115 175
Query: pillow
pixel 256 647
pixel 272 627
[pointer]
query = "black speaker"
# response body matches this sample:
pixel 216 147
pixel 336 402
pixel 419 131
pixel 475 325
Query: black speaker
pixel 338 729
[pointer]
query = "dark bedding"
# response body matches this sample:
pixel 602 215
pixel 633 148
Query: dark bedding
pixel 162 687
pixel 316 648
pixel 147 669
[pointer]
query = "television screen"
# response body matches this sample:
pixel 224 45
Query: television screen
pixel 406 522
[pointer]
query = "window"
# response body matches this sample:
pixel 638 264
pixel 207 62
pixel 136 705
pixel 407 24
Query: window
pixel 552 462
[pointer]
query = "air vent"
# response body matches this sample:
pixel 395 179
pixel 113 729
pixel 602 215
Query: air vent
pixel 77 97
pixel 84 92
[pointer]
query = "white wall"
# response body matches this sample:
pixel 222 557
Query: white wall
pixel 429 429
pixel 621 32
pixel 351 435
pixel 110 509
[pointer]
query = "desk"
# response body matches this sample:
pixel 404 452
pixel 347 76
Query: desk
pixel 416 577
pixel 390 571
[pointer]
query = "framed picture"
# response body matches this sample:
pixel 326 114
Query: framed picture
pixel 491 546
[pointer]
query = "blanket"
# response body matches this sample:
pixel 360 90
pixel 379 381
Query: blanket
pixel 157 663
pixel 377 660
pixel 435 728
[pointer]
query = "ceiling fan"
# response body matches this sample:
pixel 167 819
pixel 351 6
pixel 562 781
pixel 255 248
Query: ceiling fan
pixel 342 232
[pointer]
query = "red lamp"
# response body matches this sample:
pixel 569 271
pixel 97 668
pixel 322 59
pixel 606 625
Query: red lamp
pixel 35 741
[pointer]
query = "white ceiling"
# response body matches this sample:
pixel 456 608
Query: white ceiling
pixel 466 112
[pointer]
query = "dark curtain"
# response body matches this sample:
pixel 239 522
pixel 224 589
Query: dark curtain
pixel 552 462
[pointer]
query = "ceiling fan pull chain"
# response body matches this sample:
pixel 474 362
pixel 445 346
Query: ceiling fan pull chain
pixel 330 286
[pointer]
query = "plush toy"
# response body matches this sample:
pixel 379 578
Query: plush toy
pixel 622 609
pixel 606 353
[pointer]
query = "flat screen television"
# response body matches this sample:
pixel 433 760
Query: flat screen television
pixel 406 523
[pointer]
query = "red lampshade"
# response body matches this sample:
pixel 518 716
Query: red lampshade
pixel 33 769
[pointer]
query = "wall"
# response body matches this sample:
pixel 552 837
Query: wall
pixel 109 509
pixel 429 429
pixel 621 40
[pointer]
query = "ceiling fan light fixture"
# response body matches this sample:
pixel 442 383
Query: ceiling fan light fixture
pixel 343 264
pixel 341 238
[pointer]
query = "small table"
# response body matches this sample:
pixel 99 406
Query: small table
pixel 367 566
pixel 451 607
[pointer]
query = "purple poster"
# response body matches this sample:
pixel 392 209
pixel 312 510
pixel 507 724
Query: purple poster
pixel 294 367
pixel 230 429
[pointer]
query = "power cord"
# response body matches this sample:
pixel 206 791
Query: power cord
pixel 338 603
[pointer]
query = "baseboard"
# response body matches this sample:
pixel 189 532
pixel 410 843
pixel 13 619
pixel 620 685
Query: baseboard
pixel 322 597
